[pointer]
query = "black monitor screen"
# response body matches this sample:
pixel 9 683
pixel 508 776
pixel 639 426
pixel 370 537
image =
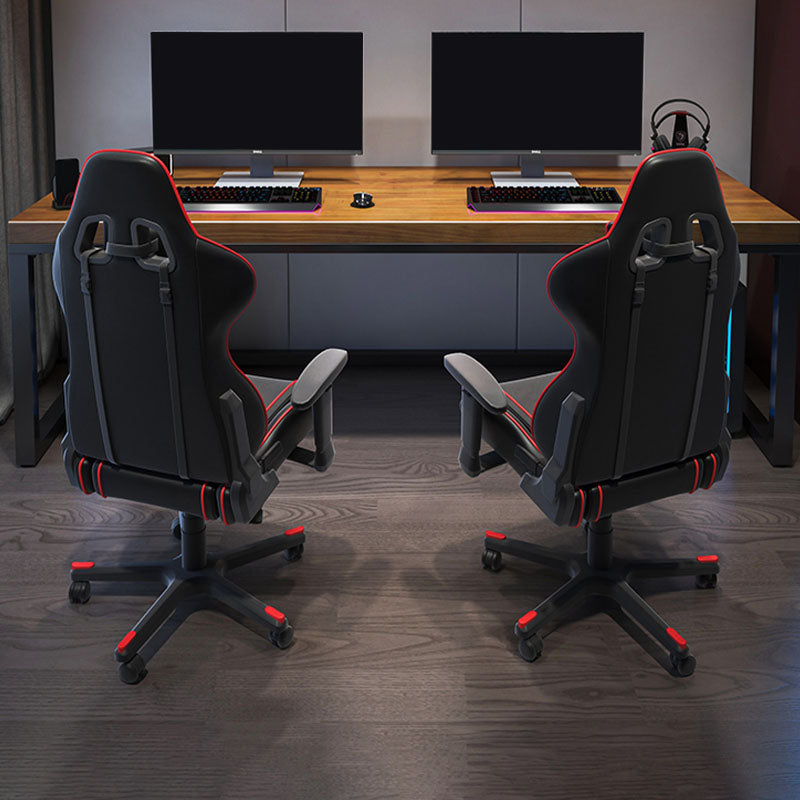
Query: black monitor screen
pixel 517 92
pixel 276 92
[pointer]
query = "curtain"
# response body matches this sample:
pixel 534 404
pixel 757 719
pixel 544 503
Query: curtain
pixel 27 157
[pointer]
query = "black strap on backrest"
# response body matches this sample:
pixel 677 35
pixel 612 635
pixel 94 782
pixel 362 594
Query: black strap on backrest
pixel 661 250
pixel 637 300
pixel 86 288
pixel 165 295
pixel 652 255
pixel 143 250
pixel 712 256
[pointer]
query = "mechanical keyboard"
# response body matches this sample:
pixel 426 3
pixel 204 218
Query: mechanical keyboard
pixel 237 199
pixel 557 199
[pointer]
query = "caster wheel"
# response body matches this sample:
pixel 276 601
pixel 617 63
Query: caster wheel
pixel 80 592
pixel 683 664
pixel 492 560
pixel 293 553
pixel 282 638
pixel 531 648
pixel 258 518
pixel 176 528
pixel 133 671
pixel 706 581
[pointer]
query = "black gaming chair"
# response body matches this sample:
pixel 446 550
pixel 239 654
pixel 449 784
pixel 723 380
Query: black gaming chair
pixel 639 411
pixel 157 410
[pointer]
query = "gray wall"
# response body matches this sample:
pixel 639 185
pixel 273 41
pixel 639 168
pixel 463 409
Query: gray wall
pixel 702 49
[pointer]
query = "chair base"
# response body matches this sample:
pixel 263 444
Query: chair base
pixel 192 581
pixel 600 579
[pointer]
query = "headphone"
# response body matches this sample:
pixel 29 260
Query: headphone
pixel 680 136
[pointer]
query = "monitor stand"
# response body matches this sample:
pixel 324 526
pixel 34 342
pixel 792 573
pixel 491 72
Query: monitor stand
pixel 261 174
pixel 532 174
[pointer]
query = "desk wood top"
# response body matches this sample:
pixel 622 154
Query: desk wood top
pixel 421 206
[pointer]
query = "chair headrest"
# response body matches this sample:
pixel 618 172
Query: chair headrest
pixel 123 185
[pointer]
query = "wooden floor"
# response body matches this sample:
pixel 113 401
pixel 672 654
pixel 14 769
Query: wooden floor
pixel 403 680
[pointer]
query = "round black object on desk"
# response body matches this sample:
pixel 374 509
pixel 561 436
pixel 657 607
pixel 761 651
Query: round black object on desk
pixel 362 200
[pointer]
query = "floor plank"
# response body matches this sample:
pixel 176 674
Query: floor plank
pixel 403 681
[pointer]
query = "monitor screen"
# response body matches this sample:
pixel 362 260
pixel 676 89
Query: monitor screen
pixel 274 92
pixel 522 92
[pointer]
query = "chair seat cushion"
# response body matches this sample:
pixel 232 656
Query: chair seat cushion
pixel 523 395
pixel 277 396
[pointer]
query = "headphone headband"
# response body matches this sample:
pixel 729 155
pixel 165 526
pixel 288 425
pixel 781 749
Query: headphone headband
pixel 661 142
pixel 654 125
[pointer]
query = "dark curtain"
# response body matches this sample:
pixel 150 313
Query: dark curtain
pixel 27 155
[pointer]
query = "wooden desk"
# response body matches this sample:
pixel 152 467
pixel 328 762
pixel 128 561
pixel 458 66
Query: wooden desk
pixel 424 209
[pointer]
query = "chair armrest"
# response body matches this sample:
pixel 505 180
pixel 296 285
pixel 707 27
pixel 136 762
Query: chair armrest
pixel 317 377
pixel 477 380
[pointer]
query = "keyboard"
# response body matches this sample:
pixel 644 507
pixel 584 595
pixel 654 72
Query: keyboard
pixel 543 198
pixel 237 199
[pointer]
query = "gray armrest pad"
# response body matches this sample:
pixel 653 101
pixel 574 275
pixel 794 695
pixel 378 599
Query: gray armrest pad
pixel 317 377
pixel 477 380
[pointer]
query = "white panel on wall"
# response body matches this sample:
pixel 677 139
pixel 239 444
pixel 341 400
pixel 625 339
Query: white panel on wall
pixel 264 325
pixel 700 50
pixel 101 63
pixel 397 63
pixel 413 302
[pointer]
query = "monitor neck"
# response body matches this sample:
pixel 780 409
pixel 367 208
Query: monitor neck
pixel 531 173
pixel 262 173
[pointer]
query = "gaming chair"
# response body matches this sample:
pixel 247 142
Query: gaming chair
pixel 157 410
pixel 638 413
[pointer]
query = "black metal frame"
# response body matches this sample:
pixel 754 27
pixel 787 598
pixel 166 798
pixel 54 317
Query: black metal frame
pixel 599 580
pixel 192 581
pixel 773 435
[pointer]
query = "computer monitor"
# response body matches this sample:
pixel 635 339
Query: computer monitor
pixel 260 93
pixel 529 93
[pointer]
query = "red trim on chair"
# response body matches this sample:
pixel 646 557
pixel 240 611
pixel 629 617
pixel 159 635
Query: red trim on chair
pixel 708 559
pixel 713 472
pixel 80 476
pixel 82 564
pixel 294 531
pixel 523 621
pixel 126 640
pixel 519 405
pixel 495 535
pixel 205 239
pixel 280 394
pixel 677 638
pixel 222 504
pixel 203 501
pixel 583 508
pixel 522 430
pixel 600 507
pixel 605 236
pixel 99 482
pixel 278 616
pixel 696 475
pixel 275 424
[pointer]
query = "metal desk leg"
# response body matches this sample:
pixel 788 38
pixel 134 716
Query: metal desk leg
pixel 32 435
pixel 736 360
pixel 774 436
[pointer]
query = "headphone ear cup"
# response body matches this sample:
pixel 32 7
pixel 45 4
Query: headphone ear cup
pixel 660 143
pixel 699 142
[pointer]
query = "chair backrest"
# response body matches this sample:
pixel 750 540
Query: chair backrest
pixel 649 310
pixel 148 310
